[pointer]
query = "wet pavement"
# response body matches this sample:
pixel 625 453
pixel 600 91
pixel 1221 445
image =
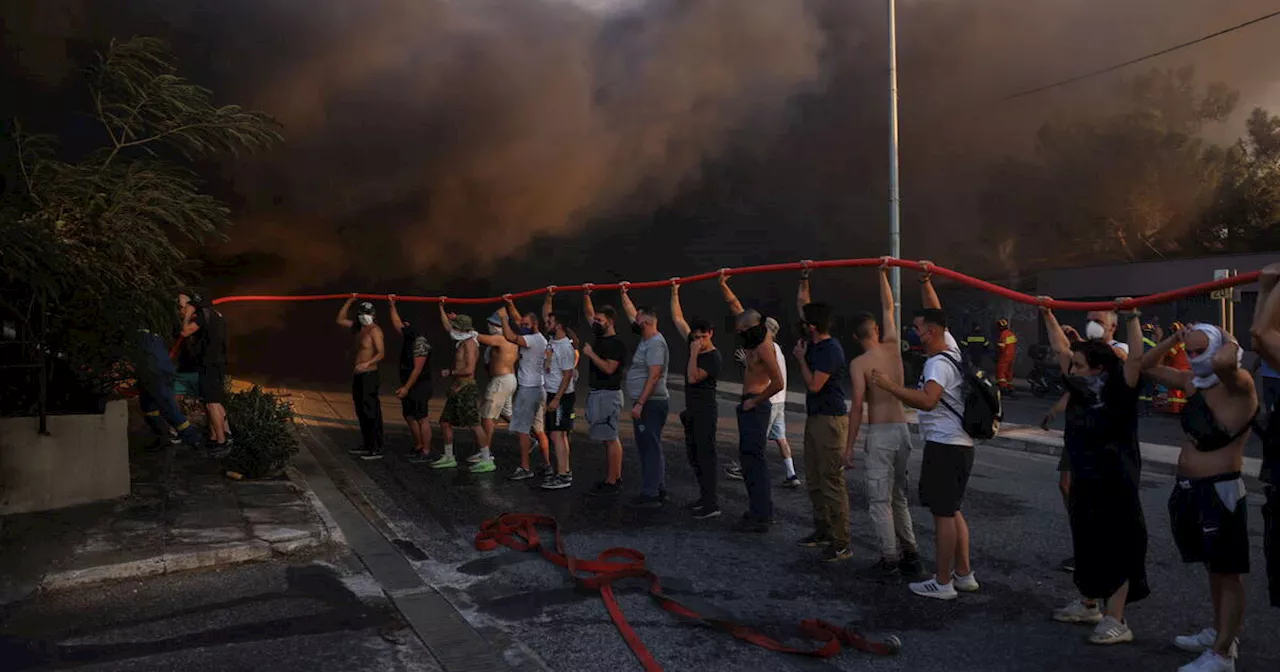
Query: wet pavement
pixel 1019 537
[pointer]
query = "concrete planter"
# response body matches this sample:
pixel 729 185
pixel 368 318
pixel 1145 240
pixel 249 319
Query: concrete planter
pixel 84 459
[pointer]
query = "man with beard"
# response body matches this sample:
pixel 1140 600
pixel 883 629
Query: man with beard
pixel 528 412
pixel 364 384
pixel 604 402
pixel 761 381
pixel 461 407
pixel 647 389
pixel 414 392
pixel 558 384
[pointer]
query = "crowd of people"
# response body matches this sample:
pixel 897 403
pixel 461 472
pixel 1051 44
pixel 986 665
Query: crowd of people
pixel 532 359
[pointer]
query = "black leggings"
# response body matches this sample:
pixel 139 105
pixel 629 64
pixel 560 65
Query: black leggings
pixel 1271 541
pixel 700 424
pixel 364 392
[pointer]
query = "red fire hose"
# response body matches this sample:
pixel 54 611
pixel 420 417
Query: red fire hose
pixel 519 531
pixel 1161 297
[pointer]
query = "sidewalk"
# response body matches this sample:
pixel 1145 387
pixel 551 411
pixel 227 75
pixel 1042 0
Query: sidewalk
pixel 182 514
pixel 1156 458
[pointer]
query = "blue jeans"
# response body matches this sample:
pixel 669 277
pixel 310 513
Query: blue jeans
pixel 653 467
pixel 753 436
pixel 155 397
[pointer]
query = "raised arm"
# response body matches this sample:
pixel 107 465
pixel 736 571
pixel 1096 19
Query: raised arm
pixel 889 332
pixel 677 313
pixel 396 322
pixel 509 315
pixel 587 307
pixel 735 306
pixel 444 315
pixel 344 320
pixel 628 307
pixel 928 295
pixel 1266 317
pixel 1133 329
pixel 1058 341
pixel 803 297
pixel 546 303
pixel 1165 375
pixel 1226 363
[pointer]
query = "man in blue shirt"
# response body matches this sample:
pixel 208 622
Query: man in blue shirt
pixel 826 431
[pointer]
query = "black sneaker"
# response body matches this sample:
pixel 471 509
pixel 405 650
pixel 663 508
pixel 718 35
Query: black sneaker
pixel 354 451
pixel 417 457
pixel 371 455
pixel 603 489
pixel 910 566
pixel 520 474
pixel 558 482
pixel 885 569
pixel 1069 565
pixel 752 526
pixel 662 495
pixel 815 540
pixel 703 511
pixel 692 505
pixel 733 472
pixel 646 502
pixel 832 553
pixel 547 471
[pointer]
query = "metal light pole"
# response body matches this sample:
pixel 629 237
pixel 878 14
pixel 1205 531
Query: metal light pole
pixel 895 236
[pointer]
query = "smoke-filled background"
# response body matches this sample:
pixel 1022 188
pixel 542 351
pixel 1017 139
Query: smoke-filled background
pixel 482 146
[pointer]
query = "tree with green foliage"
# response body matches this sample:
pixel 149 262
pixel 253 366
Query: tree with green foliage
pixel 1139 182
pixel 92 246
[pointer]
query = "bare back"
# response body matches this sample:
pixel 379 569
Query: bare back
pixel 757 378
pixel 365 348
pixel 882 408
pixel 502 359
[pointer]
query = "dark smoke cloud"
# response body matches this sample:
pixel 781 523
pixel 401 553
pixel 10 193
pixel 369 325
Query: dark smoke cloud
pixel 430 138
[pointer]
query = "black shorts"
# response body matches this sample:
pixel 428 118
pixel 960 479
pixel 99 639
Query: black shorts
pixel 414 405
pixel 1064 462
pixel 561 419
pixel 1206 527
pixel 944 475
pixel 213 385
pixel 1271 542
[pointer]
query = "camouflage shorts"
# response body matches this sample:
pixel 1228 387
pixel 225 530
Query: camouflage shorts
pixel 461 407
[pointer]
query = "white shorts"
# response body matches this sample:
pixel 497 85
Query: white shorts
pixel 778 422
pixel 497 396
pixel 529 411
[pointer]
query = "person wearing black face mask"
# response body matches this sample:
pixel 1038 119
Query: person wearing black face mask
pixel 762 380
pixel 1108 529
pixel 647 388
pixel 604 402
pixel 700 417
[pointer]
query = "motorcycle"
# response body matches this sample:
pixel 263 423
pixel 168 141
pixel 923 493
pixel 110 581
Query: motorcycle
pixel 1045 377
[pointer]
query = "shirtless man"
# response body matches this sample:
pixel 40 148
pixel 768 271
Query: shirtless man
pixel 778 417
pixel 762 380
pixel 461 407
pixel 501 359
pixel 364 384
pixel 888 438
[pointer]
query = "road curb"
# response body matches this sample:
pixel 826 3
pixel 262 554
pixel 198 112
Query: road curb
pixel 211 555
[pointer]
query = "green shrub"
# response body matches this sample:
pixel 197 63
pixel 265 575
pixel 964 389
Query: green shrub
pixel 262 424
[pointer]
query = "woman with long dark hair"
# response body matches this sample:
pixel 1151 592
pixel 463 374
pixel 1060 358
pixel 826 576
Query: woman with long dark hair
pixel 1108 529
pixel 1208 510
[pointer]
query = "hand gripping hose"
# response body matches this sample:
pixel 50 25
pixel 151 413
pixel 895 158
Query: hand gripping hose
pixel 519 531
pixel 1161 297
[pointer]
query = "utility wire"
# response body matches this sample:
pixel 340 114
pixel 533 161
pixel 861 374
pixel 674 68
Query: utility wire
pixel 1110 68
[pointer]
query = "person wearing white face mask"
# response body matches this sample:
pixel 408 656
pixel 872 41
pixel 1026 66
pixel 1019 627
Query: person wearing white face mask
pixel 1208 510
pixel 364 384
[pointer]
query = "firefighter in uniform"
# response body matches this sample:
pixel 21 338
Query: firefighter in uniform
pixel 1177 359
pixel 977 348
pixel 1147 390
pixel 1007 346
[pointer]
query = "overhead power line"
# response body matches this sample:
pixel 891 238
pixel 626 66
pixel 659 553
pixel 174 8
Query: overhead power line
pixel 1117 66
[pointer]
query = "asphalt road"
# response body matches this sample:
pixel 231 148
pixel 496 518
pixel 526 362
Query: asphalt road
pixel 319 613
pixel 1019 536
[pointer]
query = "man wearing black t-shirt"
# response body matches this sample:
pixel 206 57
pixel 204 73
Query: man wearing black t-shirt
pixel 604 402
pixel 700 417
pixel 209 330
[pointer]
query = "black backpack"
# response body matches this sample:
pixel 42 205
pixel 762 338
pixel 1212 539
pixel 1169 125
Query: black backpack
pixel 982 408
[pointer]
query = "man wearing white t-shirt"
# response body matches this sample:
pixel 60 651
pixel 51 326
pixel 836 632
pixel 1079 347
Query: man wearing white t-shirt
pixel 948 450
pixel 529 408
pixel 778 402
pixel 559 384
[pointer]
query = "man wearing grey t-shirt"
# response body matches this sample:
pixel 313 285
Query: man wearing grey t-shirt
pixel 646 388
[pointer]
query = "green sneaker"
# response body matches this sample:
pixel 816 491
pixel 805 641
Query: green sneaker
pixel 483 467
pixel 445 462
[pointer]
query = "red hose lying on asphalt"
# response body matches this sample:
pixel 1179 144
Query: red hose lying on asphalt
pixel 519 531
pixel 1161 297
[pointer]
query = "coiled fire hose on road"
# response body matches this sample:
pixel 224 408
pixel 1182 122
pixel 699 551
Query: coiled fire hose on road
pixel 1161 297
pixel 519 532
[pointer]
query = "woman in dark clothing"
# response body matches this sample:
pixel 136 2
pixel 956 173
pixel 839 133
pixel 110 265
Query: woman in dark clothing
pixel 1108 529
pixel 1266 341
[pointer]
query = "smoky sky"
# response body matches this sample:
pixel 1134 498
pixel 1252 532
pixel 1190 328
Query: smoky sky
pixel 491 145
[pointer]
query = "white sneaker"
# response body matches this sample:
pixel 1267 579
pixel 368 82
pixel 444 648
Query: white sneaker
pixel 1210 661
pixel 933 589
pixel 1078 612
pixel 1202 641
pixel 1111 631
pixel 965 584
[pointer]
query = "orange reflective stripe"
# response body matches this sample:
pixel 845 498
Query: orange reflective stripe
pixel 152 414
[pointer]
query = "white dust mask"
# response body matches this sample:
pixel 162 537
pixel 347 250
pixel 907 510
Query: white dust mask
pixel 1094 331
pixel 365 320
